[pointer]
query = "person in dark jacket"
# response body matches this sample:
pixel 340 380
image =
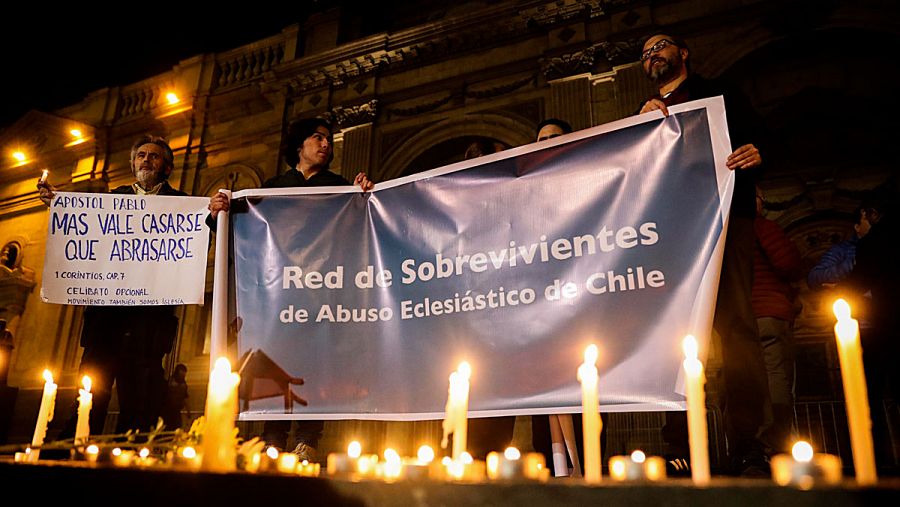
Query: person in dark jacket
pixel 125 345
pixel 665 61
pixel 776 263
pixel 309 151
pixel 877 274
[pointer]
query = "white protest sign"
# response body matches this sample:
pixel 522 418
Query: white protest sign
pixel 125 250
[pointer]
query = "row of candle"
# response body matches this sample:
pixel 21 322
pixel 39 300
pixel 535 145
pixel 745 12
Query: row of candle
pixel 509 465
pixel 45 414
pixel 850 354
pixel 219 452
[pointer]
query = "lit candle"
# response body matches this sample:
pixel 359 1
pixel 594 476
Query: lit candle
pixel 590 408
pixel 187 458
pixel 338 464
pixel 287 463
pixel 418 468
pixel 465 468
pixel 92 453
pixel 392 464
pixel 850 353
pixel 144 459
pixel 43 177
pixel 45 415
pixel 694 379
pixel 268 461
pixel 85 401
pixel 122 458
pixel 512 465
pixel 23 457
pixel 637 467
pixel 804 468
pixel 218 446
pixel 367 465
pixel 307 469
pixel 455 420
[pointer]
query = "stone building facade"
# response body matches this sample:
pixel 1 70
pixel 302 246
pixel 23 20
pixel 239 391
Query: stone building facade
pixel 411 99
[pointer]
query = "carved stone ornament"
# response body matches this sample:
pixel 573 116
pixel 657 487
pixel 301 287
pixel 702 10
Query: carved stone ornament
pixel 578 62
pixel 350 116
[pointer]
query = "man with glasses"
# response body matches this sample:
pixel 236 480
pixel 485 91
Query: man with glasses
pixel 665 60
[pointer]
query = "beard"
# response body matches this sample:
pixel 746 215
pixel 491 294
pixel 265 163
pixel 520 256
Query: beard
pixel 663 72
pixel 148 179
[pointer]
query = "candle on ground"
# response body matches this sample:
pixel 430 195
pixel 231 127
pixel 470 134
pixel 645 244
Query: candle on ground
pixel 804 468
pixel 85 401
pixel 590 406
pixel 850 354
pixel 694 379
pixel 418 468
pixel 345 463
pixel 455 420
pixel 511 465
pixel 637 467
pixel 45 415
pixel 218 446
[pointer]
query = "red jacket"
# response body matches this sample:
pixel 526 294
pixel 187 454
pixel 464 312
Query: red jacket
pixel 776 263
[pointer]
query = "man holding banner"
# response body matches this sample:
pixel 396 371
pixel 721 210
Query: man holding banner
pixel 665 61
pixel 126 344
pixel 309 150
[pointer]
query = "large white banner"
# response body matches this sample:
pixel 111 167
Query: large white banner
pixel 125 250
pixel 514 262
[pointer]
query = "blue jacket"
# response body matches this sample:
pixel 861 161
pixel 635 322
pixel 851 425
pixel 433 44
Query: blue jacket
pixel 835 264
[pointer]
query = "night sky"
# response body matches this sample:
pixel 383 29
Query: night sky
pixel 52 57
pixel 50 63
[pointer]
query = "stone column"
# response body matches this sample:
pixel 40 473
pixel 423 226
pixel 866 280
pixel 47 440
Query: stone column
pixel 570 100
pixel 632 88
pixel 569 77
pixel 356 123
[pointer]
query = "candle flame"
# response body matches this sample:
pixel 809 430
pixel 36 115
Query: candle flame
pixel 617 468
pixel 48 377
pixel 689 346
pixel 638 456
pixel 512 454
pixel 222 364
pixel 841 310
pixel 465 370
pixel 802 451
pixel 354 450
pixel 86 382
pixel 425 454
pixel 272 452
pixel 590 354
pixel 92 449
pixel 144 452
pixel 116 451
pixel 391 456
pixel 189 452
pixel 465 458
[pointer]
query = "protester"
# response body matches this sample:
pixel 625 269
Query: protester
pixel 666 61
pixel 125 345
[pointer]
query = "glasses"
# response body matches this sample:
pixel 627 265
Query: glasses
pixel 659 46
